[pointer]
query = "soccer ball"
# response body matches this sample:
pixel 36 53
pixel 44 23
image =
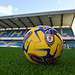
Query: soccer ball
pixel 42 44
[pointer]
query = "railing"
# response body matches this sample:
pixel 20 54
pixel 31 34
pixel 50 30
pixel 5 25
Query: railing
pixel 22 38
pixel 68 38
pixel 11 38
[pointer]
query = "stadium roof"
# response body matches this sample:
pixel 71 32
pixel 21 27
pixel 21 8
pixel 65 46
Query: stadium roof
pixel 52 18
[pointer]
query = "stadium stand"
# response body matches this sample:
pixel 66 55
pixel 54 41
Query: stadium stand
pixel 12 33
pixel 6 41
pixel 14 27
pixel 69 44
pixel 65 31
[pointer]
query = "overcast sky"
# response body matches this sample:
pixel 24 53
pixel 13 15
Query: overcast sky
pixel 10 7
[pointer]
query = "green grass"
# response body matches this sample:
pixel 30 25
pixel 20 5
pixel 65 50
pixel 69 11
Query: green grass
pixel 13 62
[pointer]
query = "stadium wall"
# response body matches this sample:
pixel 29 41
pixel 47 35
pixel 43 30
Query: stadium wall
pixel 11 43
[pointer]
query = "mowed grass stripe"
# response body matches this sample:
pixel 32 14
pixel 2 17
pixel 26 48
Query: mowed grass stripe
pixel 13 62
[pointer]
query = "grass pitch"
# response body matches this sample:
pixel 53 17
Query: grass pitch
pixel 13 62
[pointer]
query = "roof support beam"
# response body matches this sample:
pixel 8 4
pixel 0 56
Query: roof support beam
pixel 22 22
pixel 2 26
pixel 41 23
pixel 51 22
pixel 6 23
pixel 73 19
pixel 61 20
pixel 31 21
pixel 13 23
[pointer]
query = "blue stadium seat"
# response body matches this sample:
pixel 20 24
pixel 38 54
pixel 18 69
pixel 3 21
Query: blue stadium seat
pixel 12 33
pixel 65 31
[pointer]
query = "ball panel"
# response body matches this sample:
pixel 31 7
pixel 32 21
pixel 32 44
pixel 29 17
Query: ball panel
pixel 57 42
pixel 47 59
pixel 29 58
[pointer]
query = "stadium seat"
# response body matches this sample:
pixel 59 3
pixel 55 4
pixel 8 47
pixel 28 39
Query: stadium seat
pixel 65 31
pixel 12 33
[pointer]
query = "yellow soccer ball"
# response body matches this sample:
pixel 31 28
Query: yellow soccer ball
pixel 42 44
